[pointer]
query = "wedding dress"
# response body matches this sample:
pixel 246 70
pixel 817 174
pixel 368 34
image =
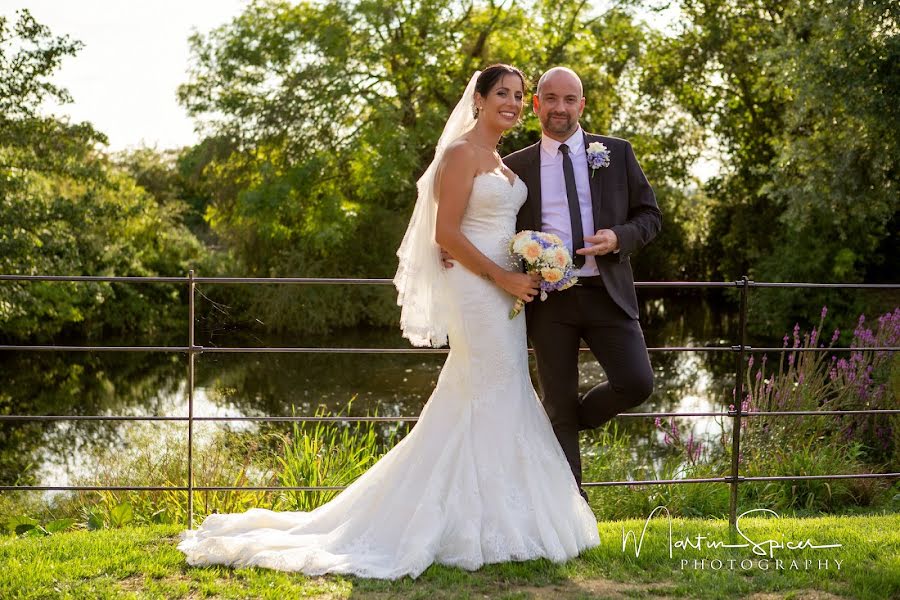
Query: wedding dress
pixel 481 477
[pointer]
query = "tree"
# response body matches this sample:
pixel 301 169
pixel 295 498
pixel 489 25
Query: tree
pixel 836 171
pixel 29 54
pixel 65 209
pixel 800 96
pixel 320 118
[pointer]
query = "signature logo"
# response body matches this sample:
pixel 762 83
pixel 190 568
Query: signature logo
pixel 765 548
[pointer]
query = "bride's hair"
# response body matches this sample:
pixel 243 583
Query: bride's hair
pixel 492 74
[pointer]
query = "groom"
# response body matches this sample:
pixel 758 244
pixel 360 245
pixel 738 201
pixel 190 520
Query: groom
pixel 605 213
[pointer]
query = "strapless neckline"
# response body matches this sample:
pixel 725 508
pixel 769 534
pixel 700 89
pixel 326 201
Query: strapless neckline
pixel 499 174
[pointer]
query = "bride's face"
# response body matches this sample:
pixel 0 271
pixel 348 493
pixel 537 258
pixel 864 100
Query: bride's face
pixel 503 104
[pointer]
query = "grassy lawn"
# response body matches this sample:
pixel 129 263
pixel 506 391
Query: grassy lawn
pixel 144 563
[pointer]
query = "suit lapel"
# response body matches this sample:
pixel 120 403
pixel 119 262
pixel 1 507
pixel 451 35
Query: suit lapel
pixel 533 182
pixel 595 183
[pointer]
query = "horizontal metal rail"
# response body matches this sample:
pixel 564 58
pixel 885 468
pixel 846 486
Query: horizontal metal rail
pixel 20 348
pixel 412 419
pixel 383 281
pixel 339 350
pixel 215 419
pixel 326 488
pixel 826 286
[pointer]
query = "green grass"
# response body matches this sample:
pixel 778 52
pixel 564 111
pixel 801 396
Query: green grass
pixel 144 563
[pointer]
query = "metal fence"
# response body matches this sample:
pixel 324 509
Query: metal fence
pixel 739 350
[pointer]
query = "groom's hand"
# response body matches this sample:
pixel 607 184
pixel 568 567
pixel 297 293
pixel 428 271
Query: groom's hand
pixel 603 242
pixel 446 259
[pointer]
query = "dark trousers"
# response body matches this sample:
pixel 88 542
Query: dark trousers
pixel 556 328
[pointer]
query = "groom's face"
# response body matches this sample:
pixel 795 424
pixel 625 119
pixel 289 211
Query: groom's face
pixel 559 105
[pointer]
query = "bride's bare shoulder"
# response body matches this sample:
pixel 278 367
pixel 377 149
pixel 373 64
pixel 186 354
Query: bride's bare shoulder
pixel 461 149
pixel 460 156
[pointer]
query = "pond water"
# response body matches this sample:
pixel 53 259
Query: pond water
pixel 77 383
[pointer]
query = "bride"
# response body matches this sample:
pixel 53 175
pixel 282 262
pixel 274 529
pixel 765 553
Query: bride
pixel 481 477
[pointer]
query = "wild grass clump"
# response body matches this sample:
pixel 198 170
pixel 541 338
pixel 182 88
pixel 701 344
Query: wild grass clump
pixel 609 455
pixel 324 455
pixel 865 379
pixel 310 454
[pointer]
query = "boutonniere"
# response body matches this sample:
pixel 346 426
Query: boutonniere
pixel 597 156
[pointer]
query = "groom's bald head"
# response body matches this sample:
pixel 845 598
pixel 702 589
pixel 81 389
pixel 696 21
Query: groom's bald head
pixel 561 74
pixel 559 102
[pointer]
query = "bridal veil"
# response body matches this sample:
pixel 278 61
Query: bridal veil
pixel 419 279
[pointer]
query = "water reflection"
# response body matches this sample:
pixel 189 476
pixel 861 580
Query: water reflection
pixel 56 453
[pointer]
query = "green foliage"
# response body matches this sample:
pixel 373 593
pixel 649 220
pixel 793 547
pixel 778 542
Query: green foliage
pixel 29 142
pixel 25 526
pixel 836 172
pixel 170 178
pixel 108 227
pixel 66 210
pixel 325 455
pixel 222 460
pixel 322 116
pixel 608 455
pixel 799 99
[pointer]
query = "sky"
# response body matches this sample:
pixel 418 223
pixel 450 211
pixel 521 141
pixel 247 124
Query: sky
pixel 135 56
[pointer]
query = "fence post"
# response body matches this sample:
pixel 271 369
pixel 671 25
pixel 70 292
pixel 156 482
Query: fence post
pixel 738 398
pixel 191 353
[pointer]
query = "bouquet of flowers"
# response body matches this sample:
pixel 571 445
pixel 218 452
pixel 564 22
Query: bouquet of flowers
pixel 543 253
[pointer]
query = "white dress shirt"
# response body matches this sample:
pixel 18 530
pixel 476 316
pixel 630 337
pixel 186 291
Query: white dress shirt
pixel 554 201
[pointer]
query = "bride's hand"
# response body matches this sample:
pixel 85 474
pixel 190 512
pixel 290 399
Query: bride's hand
pixel 446 259
pixel 521 285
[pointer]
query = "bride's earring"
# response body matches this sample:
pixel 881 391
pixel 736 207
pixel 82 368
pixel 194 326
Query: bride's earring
pixel 475 111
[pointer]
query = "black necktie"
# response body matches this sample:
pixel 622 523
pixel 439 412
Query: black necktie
pixel 574 207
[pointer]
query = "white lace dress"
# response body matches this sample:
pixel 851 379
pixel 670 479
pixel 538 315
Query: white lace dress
pixel 479 479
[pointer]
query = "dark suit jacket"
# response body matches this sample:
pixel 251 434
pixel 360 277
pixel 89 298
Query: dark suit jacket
pixel 622 199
